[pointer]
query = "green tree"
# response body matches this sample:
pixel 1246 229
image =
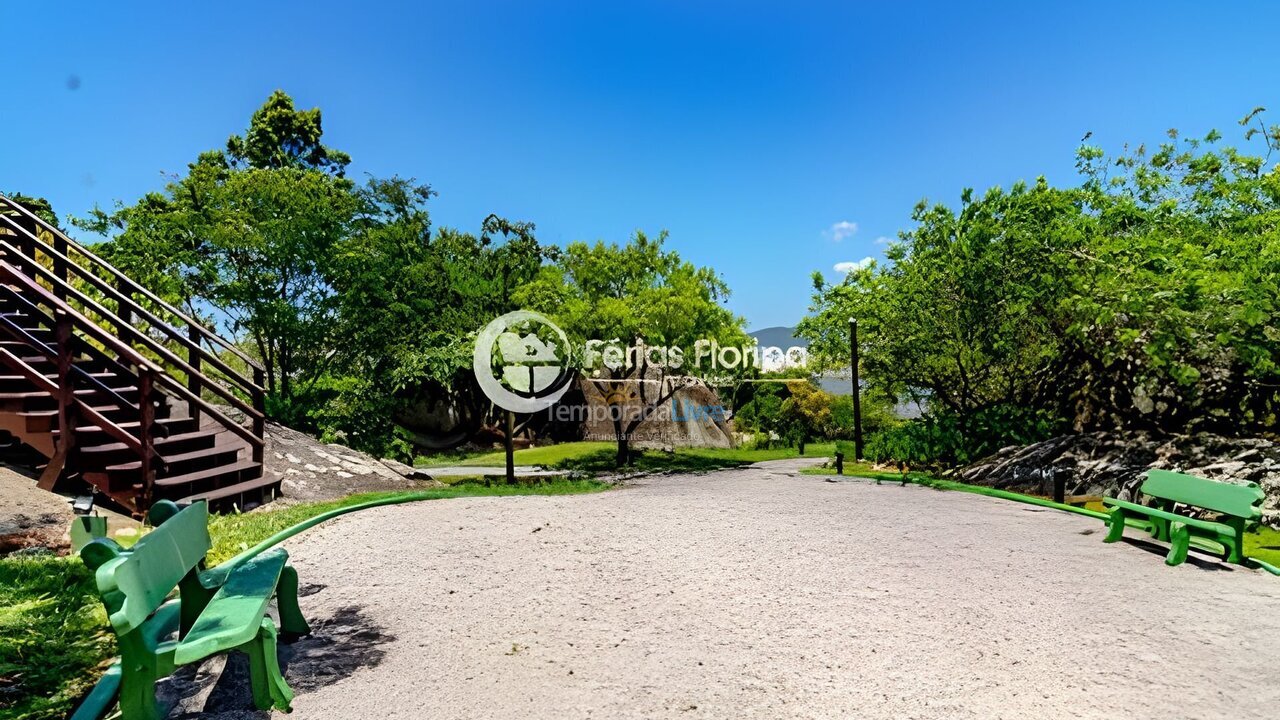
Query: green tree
pixel 640 295
pixel 38 206
pixel 960 315
pixel 1141 299
pixel 407 302
pixel 245 237
pixel 805 414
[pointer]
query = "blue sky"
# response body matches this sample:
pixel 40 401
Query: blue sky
pixel 758 134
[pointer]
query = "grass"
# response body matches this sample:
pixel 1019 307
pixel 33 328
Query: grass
pixel 1262 544
pixel 54 638
pixel 599 457
pixel 547 456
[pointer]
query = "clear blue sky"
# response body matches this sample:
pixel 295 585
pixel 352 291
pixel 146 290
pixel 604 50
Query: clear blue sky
pixel 747 130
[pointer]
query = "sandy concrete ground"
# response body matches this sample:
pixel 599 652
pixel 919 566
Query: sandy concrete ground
pixel 760 593
pixel 31 517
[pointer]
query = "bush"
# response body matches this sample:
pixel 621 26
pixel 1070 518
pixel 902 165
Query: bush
pixel 940 439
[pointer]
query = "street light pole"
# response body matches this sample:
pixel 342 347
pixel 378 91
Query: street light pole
pixel 857 399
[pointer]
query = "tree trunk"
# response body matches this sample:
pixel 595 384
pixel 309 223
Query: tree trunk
pixel 624 451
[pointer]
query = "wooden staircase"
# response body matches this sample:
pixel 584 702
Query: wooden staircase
pixel 107 384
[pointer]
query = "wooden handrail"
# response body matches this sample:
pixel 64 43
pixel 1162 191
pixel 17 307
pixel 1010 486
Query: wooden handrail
pixel 129 307
pixel 126 353
pixel 142 337
pixel 19 333
pixel 46 385
pixel 122 278
pixel 143 364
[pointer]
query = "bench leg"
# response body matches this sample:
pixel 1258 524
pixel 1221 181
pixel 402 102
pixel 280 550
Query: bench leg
pixel 292 624
pixel 138 694
pixel 1180 542
pixel 269 686
pixel 1116 531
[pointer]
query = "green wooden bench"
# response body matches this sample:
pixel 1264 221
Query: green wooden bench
pixel 216 610
pixel 1238 507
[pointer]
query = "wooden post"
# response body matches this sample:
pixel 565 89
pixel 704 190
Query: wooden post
pixel 857 389
pixel 193 380
pixel 260 422
pixel 1059 486
pixel 60 267
pixel 510 445
pixel 123 309
pixel 146 420
pixel 67 416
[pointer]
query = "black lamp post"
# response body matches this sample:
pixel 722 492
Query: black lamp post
pixel 857 399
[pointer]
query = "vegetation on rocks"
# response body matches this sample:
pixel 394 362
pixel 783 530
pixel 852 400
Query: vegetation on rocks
pixel 1141 299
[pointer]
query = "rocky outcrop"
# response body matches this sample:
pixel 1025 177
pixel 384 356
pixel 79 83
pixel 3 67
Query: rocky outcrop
pixel 693 417
pixel 313 470
pixel 1112 464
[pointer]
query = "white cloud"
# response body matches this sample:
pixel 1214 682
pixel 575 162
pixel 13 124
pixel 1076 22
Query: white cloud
pixel 848 267
pixel 882 240
pixel 841 230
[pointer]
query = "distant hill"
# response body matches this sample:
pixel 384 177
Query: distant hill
pixel 783 337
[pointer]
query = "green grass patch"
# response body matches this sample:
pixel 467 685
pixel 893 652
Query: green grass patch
pixel 546 455
pixel 600 457
pixel 54 637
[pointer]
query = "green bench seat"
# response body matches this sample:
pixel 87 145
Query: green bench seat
pixel 1237 506
pixel 216 610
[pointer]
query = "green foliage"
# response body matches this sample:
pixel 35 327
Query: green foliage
pixel 354 307
pixel 940 439
pixel 53 637
pixel 281 137
pixel 1141 299
pixel 38 206
pixel 249 232
pixel 805 414
pixel 635 293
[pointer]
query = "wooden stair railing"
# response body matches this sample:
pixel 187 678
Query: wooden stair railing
pixel 70 407
pixel 170 355
pixel 121 290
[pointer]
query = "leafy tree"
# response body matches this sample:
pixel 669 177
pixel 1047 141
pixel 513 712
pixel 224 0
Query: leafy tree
pixel 806 414
pixel 246 237
pixel 641 295
pixel 957 315
pixel 1141 299
pixel 38 206
pixel 407 303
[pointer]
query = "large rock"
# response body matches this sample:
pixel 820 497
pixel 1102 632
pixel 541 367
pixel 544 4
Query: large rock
pixel 693 417
pixel 1112 464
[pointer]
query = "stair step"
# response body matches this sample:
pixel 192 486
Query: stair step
pixel 225 447
pixel 160 443
pixel 257 484
pixel 168 423
pixel 234 469
pixel 101 375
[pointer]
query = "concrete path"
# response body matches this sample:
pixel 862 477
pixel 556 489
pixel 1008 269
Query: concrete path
pixel 760 593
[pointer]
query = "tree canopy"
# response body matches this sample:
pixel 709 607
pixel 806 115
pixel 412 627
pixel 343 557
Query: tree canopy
pixel 1142 298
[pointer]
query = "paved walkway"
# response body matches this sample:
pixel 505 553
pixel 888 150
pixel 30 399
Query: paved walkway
pixel 759 593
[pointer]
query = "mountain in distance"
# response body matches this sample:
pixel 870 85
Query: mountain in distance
pixel 780 337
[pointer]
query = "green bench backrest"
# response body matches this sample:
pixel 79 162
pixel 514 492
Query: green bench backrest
pixel 1238 500
pixel 134 584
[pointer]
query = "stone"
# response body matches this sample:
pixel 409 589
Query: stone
pixel 1113 464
